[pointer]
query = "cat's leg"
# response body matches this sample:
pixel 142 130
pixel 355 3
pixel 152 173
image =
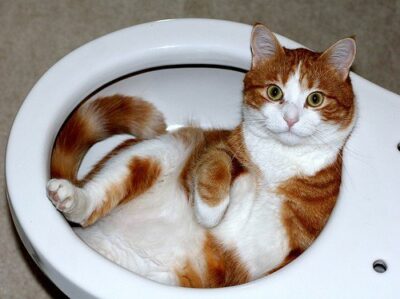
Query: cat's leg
pixel 212 180
pixel 118 178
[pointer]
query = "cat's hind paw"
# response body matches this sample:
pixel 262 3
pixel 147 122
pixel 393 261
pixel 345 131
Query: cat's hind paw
pixel 61 193
pixel 68 199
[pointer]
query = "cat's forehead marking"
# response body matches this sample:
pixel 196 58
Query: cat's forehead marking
pixel 295 89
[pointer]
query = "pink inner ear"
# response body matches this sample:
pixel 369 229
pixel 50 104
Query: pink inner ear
pixel 341 55
pixel 264 44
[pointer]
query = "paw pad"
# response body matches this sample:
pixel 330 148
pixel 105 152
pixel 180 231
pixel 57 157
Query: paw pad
pixel 61 193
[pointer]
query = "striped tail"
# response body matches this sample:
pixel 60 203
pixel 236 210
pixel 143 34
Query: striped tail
pixel 97 120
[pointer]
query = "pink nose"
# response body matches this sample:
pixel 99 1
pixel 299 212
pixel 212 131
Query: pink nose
pixel 291 120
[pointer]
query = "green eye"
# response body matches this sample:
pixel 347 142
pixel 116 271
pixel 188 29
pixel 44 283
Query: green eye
pixel 274 93
pixel 315 99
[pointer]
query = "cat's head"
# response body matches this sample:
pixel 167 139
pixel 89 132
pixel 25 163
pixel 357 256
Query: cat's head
pixel 299 96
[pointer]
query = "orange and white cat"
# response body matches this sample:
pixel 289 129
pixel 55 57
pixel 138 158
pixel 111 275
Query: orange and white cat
pixel 213 208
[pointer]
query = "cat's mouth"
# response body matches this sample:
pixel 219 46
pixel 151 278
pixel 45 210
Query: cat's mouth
pixel 289 137
pixel 294 135
pixel 265 127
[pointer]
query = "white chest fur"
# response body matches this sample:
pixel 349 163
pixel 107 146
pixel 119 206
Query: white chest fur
pixel 252 223
pixel 278 162
pixel 253 227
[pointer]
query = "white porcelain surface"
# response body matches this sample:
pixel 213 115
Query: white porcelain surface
pixel 365 225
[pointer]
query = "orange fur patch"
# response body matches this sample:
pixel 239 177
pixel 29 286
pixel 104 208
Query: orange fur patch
pixel 123 114
pixel 99 165
pixel 223 266
pixel 143 174
pixel 97 120
pixel 213 144
pixel 213 175
pixel 69 149
pixel 190 137
pixel 200 141
pixel 188 277
pixel 308 203
pixel 238 149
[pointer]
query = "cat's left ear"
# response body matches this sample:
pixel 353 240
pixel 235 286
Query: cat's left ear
pixel 264 44
pixel 341 56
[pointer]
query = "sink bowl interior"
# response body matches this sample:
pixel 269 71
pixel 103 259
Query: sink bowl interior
pixel 201 95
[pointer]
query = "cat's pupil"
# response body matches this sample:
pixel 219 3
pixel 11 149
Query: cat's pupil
pixel 275 91
pixel 315 99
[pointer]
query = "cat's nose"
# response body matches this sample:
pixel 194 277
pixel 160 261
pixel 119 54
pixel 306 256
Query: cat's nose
pixel 291 120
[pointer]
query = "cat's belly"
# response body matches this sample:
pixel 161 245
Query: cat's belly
pixel 252 227
pixel 153 235
pixel 156 234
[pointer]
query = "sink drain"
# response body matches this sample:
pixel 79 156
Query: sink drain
pixel 379 266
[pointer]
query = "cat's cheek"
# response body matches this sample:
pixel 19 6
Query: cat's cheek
pixel 309 123
pixel 274 118
pixel 305 130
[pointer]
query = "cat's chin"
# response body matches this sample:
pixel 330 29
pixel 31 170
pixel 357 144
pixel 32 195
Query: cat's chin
pixel 285 137
pixel 288 138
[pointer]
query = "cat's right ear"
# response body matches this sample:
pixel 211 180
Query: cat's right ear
pixel 264 44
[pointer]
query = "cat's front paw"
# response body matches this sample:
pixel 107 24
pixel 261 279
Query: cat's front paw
pixel 61 193
pixel 209 214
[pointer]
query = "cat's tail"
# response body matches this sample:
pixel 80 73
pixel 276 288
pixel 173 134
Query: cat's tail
pixel 97 120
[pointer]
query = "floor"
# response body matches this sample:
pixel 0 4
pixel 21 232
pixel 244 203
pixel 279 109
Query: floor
pixel 35 34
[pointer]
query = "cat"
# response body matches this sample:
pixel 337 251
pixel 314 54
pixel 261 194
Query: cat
pixel 214 208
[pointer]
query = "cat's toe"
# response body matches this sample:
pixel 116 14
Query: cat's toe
pixel 61 194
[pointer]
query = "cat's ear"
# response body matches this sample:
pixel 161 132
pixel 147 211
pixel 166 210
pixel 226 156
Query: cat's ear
pixel 341 56
pixel 264 44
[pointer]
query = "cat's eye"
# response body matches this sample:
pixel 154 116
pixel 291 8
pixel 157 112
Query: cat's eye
pixel 274 93
pixel 315 99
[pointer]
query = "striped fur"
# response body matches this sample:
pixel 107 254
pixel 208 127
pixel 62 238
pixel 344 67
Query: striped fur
pixel 213 208
pixel 98 120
